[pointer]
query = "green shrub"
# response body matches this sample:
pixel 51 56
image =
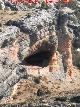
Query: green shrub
pixel 44 5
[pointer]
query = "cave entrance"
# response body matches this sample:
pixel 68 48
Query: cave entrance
pixel 40 59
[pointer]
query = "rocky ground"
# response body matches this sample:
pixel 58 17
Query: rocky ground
pixel 27 39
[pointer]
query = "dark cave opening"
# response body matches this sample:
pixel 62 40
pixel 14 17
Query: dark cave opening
pixel 40 59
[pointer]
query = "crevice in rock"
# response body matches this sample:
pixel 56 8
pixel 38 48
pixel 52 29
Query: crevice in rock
pixel 75 99
pixel 40 59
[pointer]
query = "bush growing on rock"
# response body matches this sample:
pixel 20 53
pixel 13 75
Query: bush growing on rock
pixel 44 5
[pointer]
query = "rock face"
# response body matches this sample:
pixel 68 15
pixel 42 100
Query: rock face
pixel 65 36
pixel 42 38
pixel 15 47
pixel 10 71
pixel 40 31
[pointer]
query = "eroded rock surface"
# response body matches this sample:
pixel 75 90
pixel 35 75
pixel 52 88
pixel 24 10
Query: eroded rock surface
pixel 39 45
pixel 10 71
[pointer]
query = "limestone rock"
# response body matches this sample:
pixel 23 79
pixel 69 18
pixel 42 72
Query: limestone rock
pixel 10 71
pixel 28 39
pixel 40 30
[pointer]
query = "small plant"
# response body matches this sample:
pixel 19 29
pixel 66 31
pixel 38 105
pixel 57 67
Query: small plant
pixel 44 6
pixel 76 58
pixel 36 80
pixel 73 4
pixel 43 91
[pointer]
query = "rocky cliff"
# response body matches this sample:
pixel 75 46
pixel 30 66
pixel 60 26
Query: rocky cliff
pixel 36 51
